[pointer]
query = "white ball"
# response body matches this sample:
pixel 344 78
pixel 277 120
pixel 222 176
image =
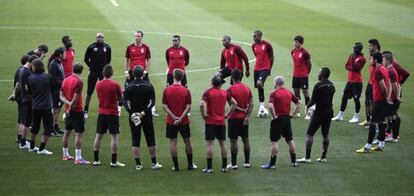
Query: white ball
pixel 311 110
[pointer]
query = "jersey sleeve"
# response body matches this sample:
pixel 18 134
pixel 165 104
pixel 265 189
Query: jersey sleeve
pixel 167 57
pixel 239 51
pixel 272 99
pixel 205 96
pixel 378 75
pixel 188 99
pixel 148 52
pixel 87 56
pixel 79 86
pixel 187 56
pixel 164 97
pixel 127 55
pixel 269 50
pixel 392 75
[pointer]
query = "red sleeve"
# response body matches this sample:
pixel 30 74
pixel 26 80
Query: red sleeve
pixel 378 75
pixel 229 94
pixel 223 60
pixel 79 86
pixel 164 97
pixel 272 98
pixel 294 98
pixel 243 55
pixel 348 65
pixel 253 45
pixel 187 56
pixel 148 52
pixel 359 64
pixel 205 95
pixel 127 52
pixel 188 101
pixel 306 56
pixel 269 50
pixel 167 57
pixel 392 75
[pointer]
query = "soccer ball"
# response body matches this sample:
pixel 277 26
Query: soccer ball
pixel 263 113
pixel 311 111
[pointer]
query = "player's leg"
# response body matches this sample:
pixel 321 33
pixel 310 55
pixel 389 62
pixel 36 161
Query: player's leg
pixel 246 145
pixel 368 104
pixel 275 134
pixel 148 128
pixel 79 126
pixel 136 142
pixel 347 94
pixel 313 127
pixel 92 79
pixel 36 117
pixel 356 94
pixel 27 124
pixel 186 135
pixel 221 137
pixel 48 128
pixel 210 135
pixel 114 150
pixel 288 135
pixel 233 133
pixel 326 124
pixel 305 91
pixel 101 127
pixel 172 132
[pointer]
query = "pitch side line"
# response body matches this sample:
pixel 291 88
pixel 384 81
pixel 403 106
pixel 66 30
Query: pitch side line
pixel 114 3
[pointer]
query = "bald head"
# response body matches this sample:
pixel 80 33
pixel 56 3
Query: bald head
pixel 100 37
pixel 226 40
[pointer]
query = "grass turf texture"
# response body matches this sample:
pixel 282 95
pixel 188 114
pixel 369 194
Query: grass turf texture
pixel 329 32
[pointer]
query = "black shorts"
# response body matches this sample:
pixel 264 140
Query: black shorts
pixel 75 121
pixel 353 90
pixel 172 131
pixel 93 78
pixel 236 128
pixel 56 102
pixel 322 120
pixel 132 78
pixel 19 112
pixel 148 128
pixel 379 111
pixel 300 82
pixel 281 127
pixel 27 114
pixel 368 93
pixel 47 118
pixel 170 80
pixel 215 131
pixel 107 122
pixel 261 75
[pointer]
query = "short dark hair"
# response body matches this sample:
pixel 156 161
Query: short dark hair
pixel 43 47
pixel 178 74
pixel 299 38
pixel 107 71
pixel 77 68
pixel 65 38
pixel 375 43
pixel 236 75
pixel 38 66
pixel 216 81
pixel 31 58
pixel 24 59
pixel 377 56
pixel 259 33
pixel 226 37
pixel 58 52
pixel 142 33
pixel 387 52
pixel 177 36
pixel 388 55
pixel 325 72
pixel 138 71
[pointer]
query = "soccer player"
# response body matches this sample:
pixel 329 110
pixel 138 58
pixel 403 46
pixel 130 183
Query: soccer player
pixel 322 97
pixel 139 98
pixel 15 96
pixel 109 95
pixel 177 57
pixel 40 51
pixel 353 88
pixel 279 106
pixel 26 97
pixel 238 121
pixel 382 96
pixel 56 71
pixel 68 61
pixel 212 108
pixel 97 55
pixel 138 53
pixel 301 68
pixel 395 96
pixel 373 47
pixel 71 95
pixel 232 57
pixel 263 51
pixel 176 102
pixel 40 86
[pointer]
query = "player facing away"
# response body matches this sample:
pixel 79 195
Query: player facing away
pixel 139 98
pixel 301 68
pixel 353 87
pixel 71 95
pixel 212 108
pixel 176 102
pixel 40 85
pixel 238 121
pixel 322 97
pixel 263 51
pixel 232 57
pixel 381 88
pixel 97 55
pixel 279 106
pixel 109 95
pixel 177 57
pixel 138 53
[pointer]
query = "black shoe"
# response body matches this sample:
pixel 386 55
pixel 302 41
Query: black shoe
pixel 60 131
pixel 55 134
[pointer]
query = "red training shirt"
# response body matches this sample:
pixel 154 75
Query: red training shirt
pixel 137 55
pixel 393 74
pixel 109 93
pixel 263 52
pixel 301 62
pixel 380 73
pixel 176 97
pixel 68 62
pixel 354 66
pixel 73 85
pixel 402 73
pixel 216 104
pixel 242 94
pixel 177 58
pixel 281 98
pixel 232 58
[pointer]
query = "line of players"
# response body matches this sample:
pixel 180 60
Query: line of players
pixel 141 107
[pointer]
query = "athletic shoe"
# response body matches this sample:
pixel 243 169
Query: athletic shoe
pixel 378 149
pixel 354 119
pixel 268 166
pixel 366 126
pixel 375 141
pixel 363 123
pixel 175 169
pixel 156 166
pixel 60 132
pixel 85 114
pixel 192 167
pixel 35 149
pixel 295 164
pixel 231 167
pixel 117 164
pixel 304 160
pixel 67 158
pixel 155 114
pixel 138 167
pixel 246 165
pixel 363 150
pixel 307 117
pixel 224 169
pixel 208 171
pixel 392 140
pixel 338 117
pixel 297 115
pixel 321 160
pixel 44 152
pixel 55 134
pixel 96 163
pixel 25 147
pixel 81 162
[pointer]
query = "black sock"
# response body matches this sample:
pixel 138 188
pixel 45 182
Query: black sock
pixel 56 127
pixel 137 161
pixel 273 160
pixel 324 153
pixel 86 108
pixel 246 157
pixel 308 153
pixel 154 160
pixel 32 144
pixel 23 142
pixel 307 99
pixel 96 155
pixel 190 159
pixel 175 162
pixel 398 125
pixel 293 158
pixel 42 146
pixel 209 163
pixel 368 117
pixel 19 137
pixel 233 158
pixel 224 162
pixel 114 158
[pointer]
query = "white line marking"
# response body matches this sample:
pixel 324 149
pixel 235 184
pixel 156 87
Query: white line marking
pixel 114 3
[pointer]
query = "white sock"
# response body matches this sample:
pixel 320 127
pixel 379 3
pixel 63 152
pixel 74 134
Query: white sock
pixel 367 146
pixel 153 109
pixel 65 151
pixel 78 154
pixel 381 144
pixel 356 115
pixel 341 113
pixel 262 105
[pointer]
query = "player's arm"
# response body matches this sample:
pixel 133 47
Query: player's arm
pixel 243 55
pixel 127 102
pixel 396 89
pixel 109 54
pixel 358 65
pixel 187 57
pixel 167 58
pixel 314 96
pixel 222 61
pixel 148 59
pixel 297 102
pixel 87 58
pixel 271 54
pixel 272 111
pixel 127 59
pixel 74 101
pixel 233 104
pixel 383 87
pixel 16 89
pixel 348 65
pixel 187 107
pixel 151 100
pixel 203 108
pixel 166 108
pixel 308 62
